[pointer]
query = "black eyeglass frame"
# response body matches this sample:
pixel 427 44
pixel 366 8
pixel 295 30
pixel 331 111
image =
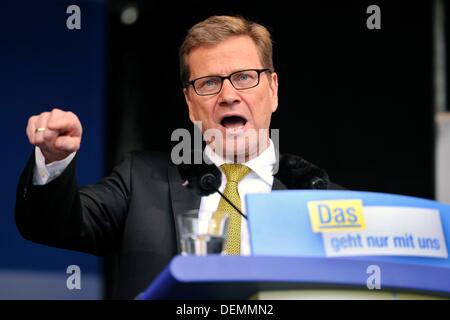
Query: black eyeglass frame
pixel 223 78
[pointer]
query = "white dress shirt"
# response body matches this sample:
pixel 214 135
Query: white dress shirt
pixel 259 180
pixel 43 173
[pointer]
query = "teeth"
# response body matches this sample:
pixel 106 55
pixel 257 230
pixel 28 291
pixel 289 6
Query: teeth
pixel 235 130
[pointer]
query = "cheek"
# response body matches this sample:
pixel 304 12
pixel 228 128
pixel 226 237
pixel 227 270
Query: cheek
pixel 261 111
pixel 203 111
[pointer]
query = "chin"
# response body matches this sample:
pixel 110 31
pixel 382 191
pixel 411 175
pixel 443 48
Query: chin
pixel 239 149
pixel 238 144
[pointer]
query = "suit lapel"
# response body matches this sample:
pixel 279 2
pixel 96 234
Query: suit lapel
pixel 182 198
pixel 278 185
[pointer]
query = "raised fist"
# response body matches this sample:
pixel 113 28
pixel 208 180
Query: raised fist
pixel 56 133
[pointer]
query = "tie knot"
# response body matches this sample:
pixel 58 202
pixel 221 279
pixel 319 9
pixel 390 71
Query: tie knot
pixel 235 172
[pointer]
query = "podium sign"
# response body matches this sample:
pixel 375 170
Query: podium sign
pixel 378 226
pixel 311 242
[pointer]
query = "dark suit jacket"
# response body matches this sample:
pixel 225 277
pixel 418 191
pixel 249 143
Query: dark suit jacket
pixel 131 212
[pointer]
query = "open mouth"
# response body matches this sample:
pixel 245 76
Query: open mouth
pixel 233 122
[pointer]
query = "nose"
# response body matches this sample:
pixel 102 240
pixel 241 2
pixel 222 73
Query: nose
pixel 228 96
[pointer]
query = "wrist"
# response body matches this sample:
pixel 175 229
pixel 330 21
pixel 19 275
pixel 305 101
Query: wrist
pixel 52 157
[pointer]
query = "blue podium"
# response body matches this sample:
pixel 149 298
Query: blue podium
pixel 321 244
pixel 239 277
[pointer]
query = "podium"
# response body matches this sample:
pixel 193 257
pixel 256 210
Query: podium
pixel 242 277
pixel 309 251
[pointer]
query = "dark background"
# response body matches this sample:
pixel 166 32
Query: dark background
pixel 355 101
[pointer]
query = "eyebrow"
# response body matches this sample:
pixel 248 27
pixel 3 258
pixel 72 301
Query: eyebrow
pixel 224 75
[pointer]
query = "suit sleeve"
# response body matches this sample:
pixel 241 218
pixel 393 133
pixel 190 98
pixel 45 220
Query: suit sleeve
pixel 60 214
pixel 334 186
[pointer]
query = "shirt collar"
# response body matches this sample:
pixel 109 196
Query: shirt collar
pixel 263 165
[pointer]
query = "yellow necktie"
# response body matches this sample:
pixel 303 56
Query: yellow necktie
pixel 234 173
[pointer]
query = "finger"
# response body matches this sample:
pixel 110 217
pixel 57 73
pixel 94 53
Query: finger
pixel 49 138
pixel 67 143
pixel 64 122
pixel 41 122
pixel 31 127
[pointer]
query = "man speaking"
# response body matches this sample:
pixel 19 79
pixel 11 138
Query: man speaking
pixel 231 89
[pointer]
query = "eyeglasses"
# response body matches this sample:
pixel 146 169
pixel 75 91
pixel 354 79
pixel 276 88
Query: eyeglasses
pixel 241 80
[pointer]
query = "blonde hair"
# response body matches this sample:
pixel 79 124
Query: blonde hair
pixel 218 28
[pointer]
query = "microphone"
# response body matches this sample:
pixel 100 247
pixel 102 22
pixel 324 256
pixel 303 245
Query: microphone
pixel 297 173
pixel 204 179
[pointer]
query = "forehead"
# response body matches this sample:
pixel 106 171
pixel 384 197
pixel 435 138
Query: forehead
pixel 232 54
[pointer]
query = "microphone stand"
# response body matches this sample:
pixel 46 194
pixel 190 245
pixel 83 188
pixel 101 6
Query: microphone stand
pixel 209 181
pixel 235 208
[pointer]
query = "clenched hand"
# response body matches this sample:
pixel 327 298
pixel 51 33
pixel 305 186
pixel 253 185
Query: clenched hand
pixel 56 133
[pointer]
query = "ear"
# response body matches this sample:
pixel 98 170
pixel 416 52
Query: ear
pixel 274 90
pixel 189 104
